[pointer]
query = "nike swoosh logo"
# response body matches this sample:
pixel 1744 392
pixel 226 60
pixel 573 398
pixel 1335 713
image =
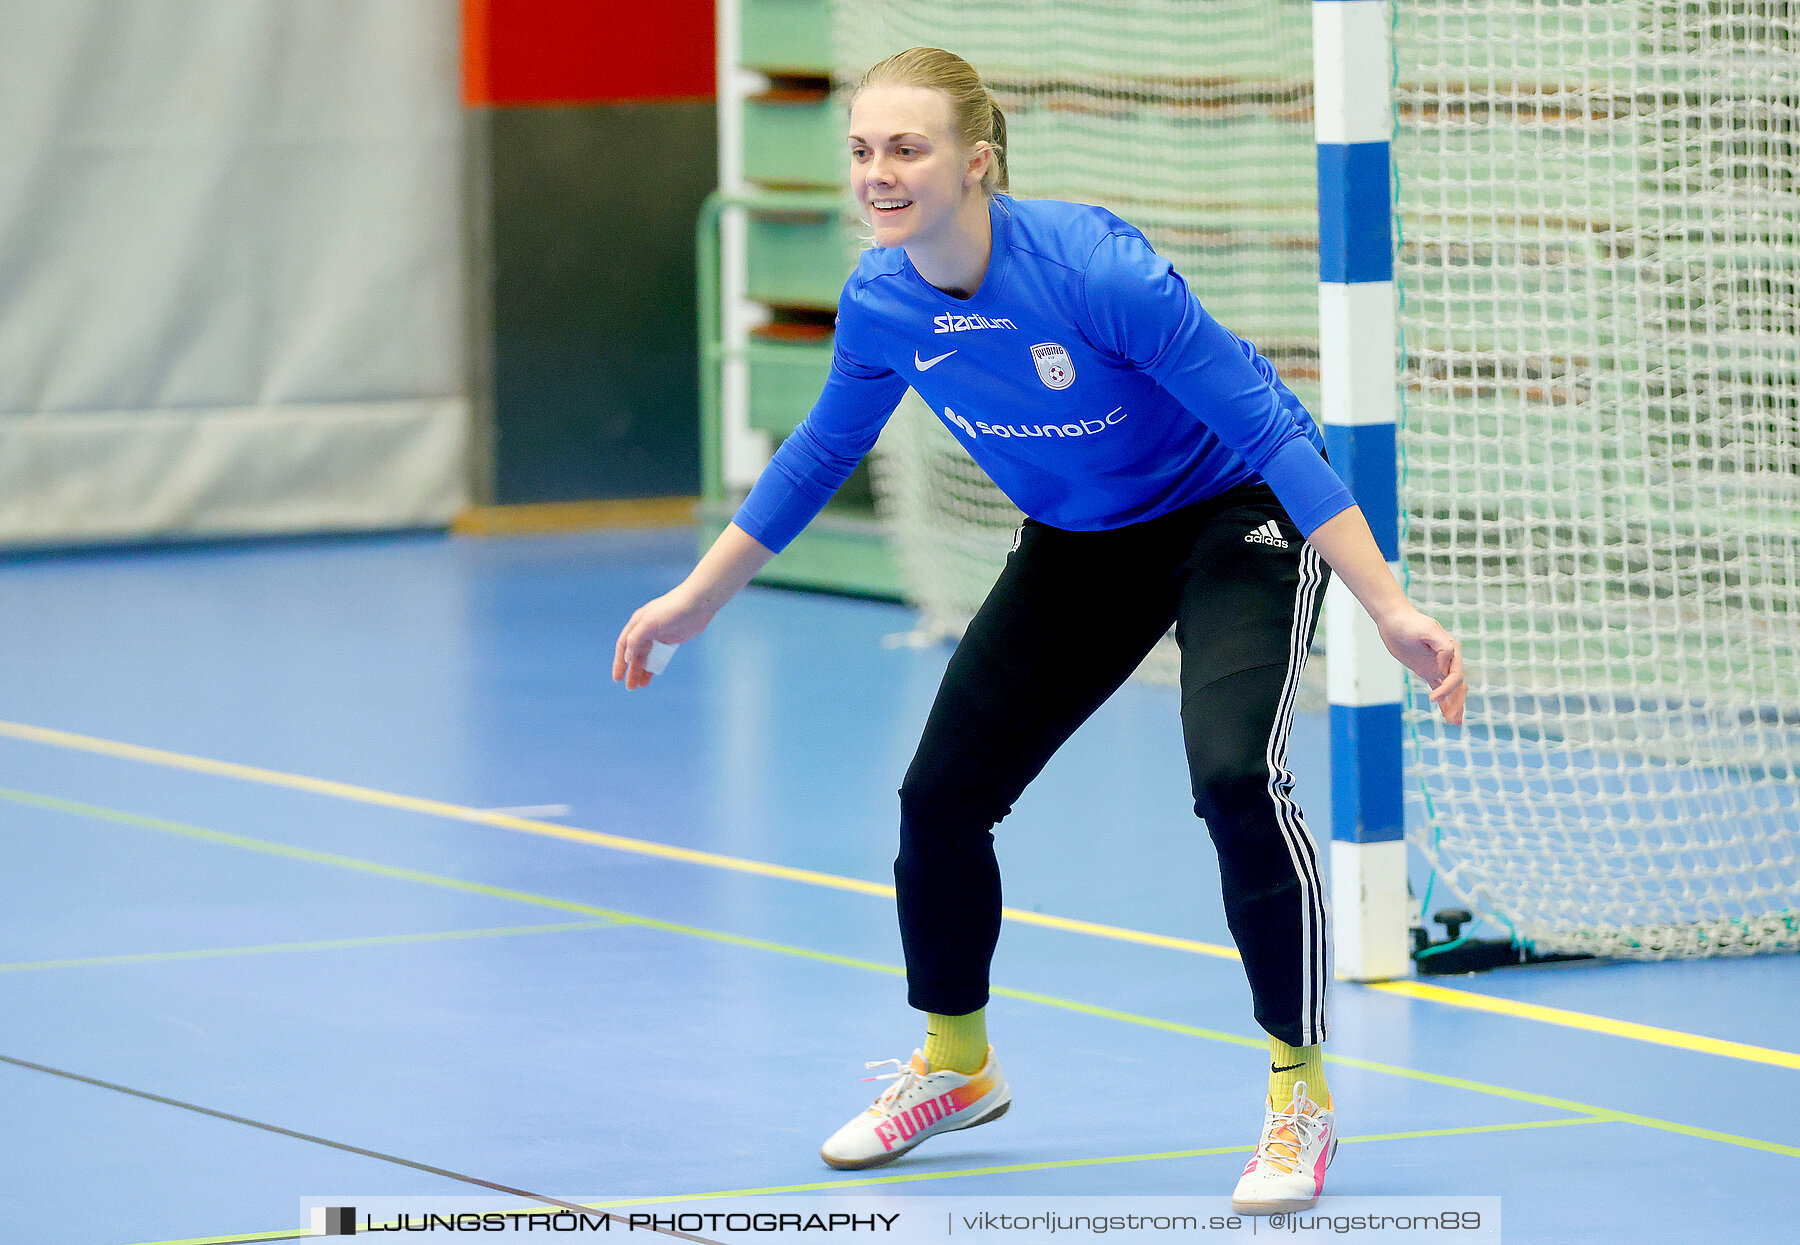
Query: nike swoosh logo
pixel 1289 1068
pixel 925 365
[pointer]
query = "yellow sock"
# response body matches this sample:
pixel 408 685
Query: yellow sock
pixel 1288 1064
pixel 957 1043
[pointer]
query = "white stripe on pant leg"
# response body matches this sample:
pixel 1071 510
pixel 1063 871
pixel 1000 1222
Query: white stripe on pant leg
pixel 1319 949
pixel 1316 948
pixel 1322 944
pixel 1302 851
pixel 1271 748
pixel 1322 949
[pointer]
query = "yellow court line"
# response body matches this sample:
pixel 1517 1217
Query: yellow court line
pixel 1010 1169
pixel 550 829
pixel 325 944
pixel 279 1235
pixel 1468 999
pixel 227 839
pixel 1058 1164
pixel 1593 1024
pixel 431 808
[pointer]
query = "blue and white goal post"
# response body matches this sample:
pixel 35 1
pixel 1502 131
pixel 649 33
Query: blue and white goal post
pixel 1352 68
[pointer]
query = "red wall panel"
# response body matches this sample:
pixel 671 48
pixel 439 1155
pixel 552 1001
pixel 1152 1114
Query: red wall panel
pixel 587 51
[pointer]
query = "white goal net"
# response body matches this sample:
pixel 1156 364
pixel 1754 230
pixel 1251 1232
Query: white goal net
pixel 1599 265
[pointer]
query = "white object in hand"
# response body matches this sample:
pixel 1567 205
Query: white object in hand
pixel 658 660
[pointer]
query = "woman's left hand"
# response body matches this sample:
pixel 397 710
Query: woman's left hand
pixel 1425 648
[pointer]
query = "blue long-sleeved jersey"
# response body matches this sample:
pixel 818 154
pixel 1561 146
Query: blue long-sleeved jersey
pixel 1083 376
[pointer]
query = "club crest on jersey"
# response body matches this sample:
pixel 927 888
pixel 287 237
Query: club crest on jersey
pixel 1054 366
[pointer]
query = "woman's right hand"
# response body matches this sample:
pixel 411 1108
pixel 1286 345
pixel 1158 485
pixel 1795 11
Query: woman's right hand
pixel 678 616
pixel 673 618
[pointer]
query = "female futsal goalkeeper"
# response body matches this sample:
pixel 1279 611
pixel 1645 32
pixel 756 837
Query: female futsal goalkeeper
pixel 1169 477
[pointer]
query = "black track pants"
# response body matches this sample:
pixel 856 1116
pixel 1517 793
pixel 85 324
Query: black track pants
pixel 1068 621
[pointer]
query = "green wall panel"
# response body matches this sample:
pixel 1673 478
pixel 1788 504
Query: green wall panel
pixel 785 380
pixel 797 259
pixel 791 142
pixel 787 36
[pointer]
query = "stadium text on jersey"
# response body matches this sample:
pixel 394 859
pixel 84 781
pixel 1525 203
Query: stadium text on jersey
pixel 948 323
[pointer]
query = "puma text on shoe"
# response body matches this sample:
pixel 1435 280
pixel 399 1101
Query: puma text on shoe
pixel 1267 534
pixel 1287 1172
pixel 919 1104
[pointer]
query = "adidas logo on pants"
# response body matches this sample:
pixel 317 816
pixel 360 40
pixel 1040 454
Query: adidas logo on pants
pixel 1267 534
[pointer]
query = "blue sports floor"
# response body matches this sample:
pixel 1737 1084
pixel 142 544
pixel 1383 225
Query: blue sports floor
pixel 249 871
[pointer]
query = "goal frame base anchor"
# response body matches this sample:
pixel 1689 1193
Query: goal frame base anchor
pixel 1478 955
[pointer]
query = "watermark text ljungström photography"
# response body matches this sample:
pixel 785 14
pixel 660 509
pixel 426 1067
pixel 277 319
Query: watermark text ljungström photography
pixel 906 1219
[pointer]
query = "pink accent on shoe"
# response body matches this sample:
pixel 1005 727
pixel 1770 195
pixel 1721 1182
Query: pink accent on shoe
pixel 902 1116
pixel 908 1124
pixel 1325 1153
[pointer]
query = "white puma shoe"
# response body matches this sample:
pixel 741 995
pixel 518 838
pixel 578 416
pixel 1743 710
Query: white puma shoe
pixel 919 1104
pixel 1287 1172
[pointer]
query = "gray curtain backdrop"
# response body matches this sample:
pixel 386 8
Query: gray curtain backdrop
pixel 230 287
